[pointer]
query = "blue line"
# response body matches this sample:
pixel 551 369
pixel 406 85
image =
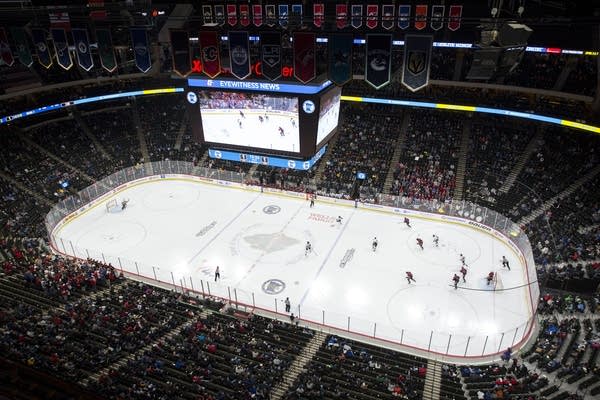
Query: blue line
pixel 327 257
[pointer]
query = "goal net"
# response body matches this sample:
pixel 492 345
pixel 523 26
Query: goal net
pixel 111 205
pixel 498 285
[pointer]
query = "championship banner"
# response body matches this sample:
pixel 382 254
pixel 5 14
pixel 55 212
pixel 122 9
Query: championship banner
pixel 82 48
pixel 270 55
pixel 105 50
pixel 356 19
pixel 318 14
pixel 209 48
pixel 257 14
pixel 207 14
pixel 387 16
pixel 421 16
pixel 5 53
pixel 239 54
pixel 139 41
pixel 41 47
pixel 454 14
pixel 372 15
pixel 61 48
pixel 417 60
pixel 296 16
pixel 231 14
pixel 22 46
pixel 271 17
pixel 378 60
pixel 220 14
pixel 305 65
pixel 341 15
pixel 283 15
pixel 437 17
pixel 403 16
pixel 340 57
pixel 244 14
pixel 180 50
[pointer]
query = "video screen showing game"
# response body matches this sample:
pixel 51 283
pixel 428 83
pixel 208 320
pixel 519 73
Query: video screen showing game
pixel 251 120
pixel 329 113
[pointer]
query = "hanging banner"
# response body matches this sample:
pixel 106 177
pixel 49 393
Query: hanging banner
pixel 372 15
pixel 318 14
pixel 296 15
pixel 220 14
pixel 417 60
pixel 387 16
pixel 41 47
pixel 437 17
pixel 271 17
pixel 421 16
pixel 270 54
pixel 81 41
pixel 139 41
pixel 378 60
pixel 5 52
pixel 340 57
pixel 305 66
pixel 341 15
pixel 239 54
pixel 180 50
pixel 61 48
pixel 257 14
pixel 105 50
pixel 207 15
pixel 403 16
pixel 244 14
pixel 283 15
pixel 22 46
pixel 454 15
pixel 231 14
pixel 209 48
pixel 357 17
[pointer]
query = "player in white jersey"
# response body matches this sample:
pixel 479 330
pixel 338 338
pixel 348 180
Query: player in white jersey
pixel 339 219
pixel 307 249
pixel 436 240
pixel 462 259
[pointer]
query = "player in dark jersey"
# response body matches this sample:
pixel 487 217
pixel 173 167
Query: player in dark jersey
pixel 281 131
pixel 463 272
pixel 455 279
pixel 407 222
pixel 489 278
pixel 260 119
pixel 420 243
pixel 374 244
pixel 409 277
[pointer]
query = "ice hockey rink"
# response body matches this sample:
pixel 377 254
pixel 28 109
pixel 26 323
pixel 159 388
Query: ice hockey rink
pixel 180 230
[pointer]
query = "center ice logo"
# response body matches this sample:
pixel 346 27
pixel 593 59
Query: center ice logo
pixel 273 286
pixel 271 209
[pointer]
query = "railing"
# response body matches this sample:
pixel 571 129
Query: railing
pixel 487 343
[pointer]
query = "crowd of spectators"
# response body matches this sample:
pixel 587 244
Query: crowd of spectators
pixel 525 74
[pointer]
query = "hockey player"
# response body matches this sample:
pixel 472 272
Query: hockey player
pixel 242 114
pixel 409 277
pixel 260 119
pixel 436 240
pixel 239 121
pixel 374 244
pixel 455 279
pixel 339 219
pixel 489 278
pixel 217 274
pixel 124 204
pixel 312 200
pixel 420 243
pixel 505 263
pixel 463 272
pixel 281 131
pixel 407 222
pixel 293 121
pixel 307 249
pixel 462 259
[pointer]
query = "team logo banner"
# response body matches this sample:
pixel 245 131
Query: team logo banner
pixel 270 55
pixel 239 54
pixel 341 15
pixel 41 47
pixel 417 60
pixel 22 46
pixel 318 14
pixel 305 65
pixel 271 17
pixel 403 16
pixel 296 16
pixel 82 48
pixel 421 16
pixel 180 47
pixel 340 58
pixel 220 14
pixel 207 14
pixel 61 47
pixel 378 60
pixel 5 52
pixel 231 14
pixel 209 48
pixel 283 15
pixel 387 16
pixel 437 17
pixel 244 14
pixel 105 50
pixel 455 14
pixel 257 14
pixel 139 40
pixel 372 15
pixel 356 19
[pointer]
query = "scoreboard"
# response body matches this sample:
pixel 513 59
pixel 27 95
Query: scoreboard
pixel 289 120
